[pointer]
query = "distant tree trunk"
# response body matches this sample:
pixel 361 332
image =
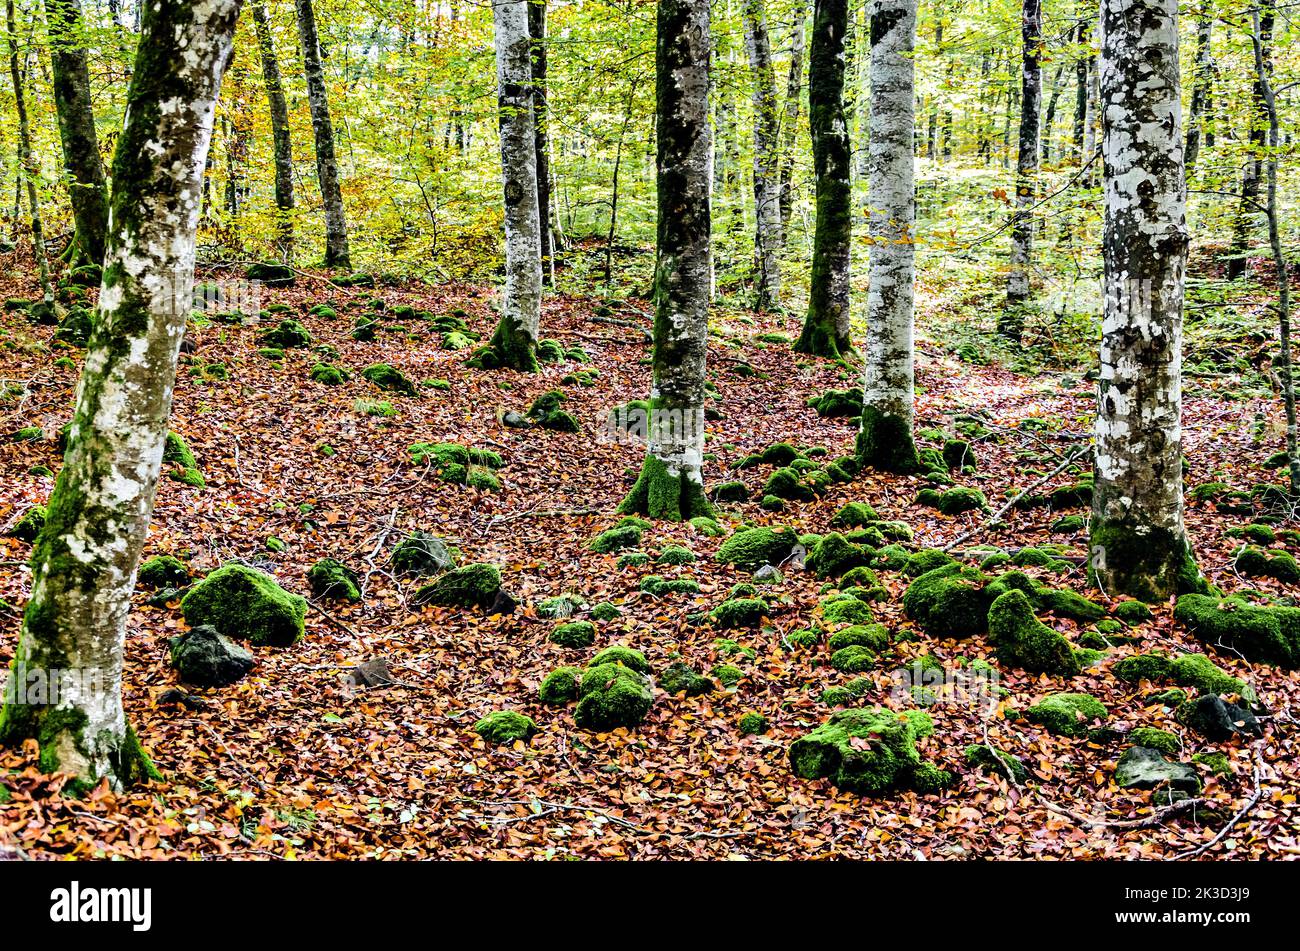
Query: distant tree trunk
pixel 1253 171
pixel 671 484
pixel 28 169
pixel 537 33
pixel 790 118
pixel 1284 363
pixel 282 142
pixel 1091 123
pixel 767 185
pixel 885 441
pixel 1139 544
pixel 1200 90
pixel 84 561
pixel 826 328
pixel 87 190
pixel 932 124
pixel 1081 71
pixel 515 342
pixel 1049 116
pixel 1011 324
pixel 337 253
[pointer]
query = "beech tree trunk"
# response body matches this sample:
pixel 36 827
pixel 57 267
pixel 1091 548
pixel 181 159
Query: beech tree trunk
pixel 671 484
pixel 515 342
pixel 84 561
pixel 282 142
pixel 885 441
pixel 1200 91
pixel 337 253
pixel 826 328
pixel 1253 172
pixel 1022 227
pixel 28 167
pixel 541 134
pixel 1139 545
pixel 87 190
pixel 767 184
pixel 790 118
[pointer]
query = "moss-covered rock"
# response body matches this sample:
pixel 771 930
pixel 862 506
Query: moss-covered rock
pixel 864 751
pixel 1133 613
pixel 1217 719
pixel 751 548
pixel 777 454
pixel 334 580
pixel 835 403
pixel 574 634
pixel 707 526
pixel 474 585
pixel 422 554
pixel 845 610
pixel 1021 640
pixel 788 484
pixel 605 611
pixel 853 659
pixel 1143 768
pixel 328 374
pixel 661 587
pixel 752 724
pixel 1257 562
pixel 612 696
pixel 681 678
pixel 727 674
pixel 1160 740
pixel 740 612
pixel 163 571
pixel 874 637
pixel 730 492
pixel 855 515
pixel 616 539
pixel 286 335
pixel 1269 634
pixel 620 654
pixel 1217 763
pixel 925 560
pixel 503 727
pixel 559 687
pixel 954 501
pixel 1067 714
pixel 184 467
pixel 675 555
pixel 950 601
pixel 271 273
pixel 206 658
pixel 547 413
pixel 246 604
pixel 1139 667
pixel 833 555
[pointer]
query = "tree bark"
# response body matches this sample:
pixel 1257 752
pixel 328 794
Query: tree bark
pixel 87 190
pixel 1200 91
pixel 546 240
pixel 282 142
pixel 28 167
pixel 1284 362
pixel 826 328
pixel 671 484
pixel 885 441
pixel 1012 320
pixel 790 118
pixel 1139 544
pixel 515 342
pixel 1253 172
pixel 84 561
pixel 337 253
pixel 767 184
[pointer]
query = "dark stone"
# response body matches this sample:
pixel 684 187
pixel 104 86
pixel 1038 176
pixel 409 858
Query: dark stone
pixel 1144 768
pixel 370 673
pixel 207 659
pixel 1216 719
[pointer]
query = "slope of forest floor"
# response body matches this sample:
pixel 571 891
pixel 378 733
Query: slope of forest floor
pixel 291 762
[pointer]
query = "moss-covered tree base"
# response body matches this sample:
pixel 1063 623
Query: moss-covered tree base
pixel 1149 564
pixel 659 493
pixel 820 340
pixel 885 443
pixel 510 348
pixel 60 734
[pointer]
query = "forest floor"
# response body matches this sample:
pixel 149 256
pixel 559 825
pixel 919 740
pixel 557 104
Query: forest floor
pixel 291 762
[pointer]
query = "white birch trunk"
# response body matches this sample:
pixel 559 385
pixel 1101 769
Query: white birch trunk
pixel 1140 546
pixel 885 441
pixel 85 559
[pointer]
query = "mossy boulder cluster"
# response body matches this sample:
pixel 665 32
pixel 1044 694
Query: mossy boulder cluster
pixel 615 690
pixel 1268 634
pixel 1186 670
pixel 246 604
pixel 751 548
pixel 333 580
pixel 547 412
pixel 458 464
pixel 505 727
pixel 286 335
pixel 869 752
pixel 389 379
pixel 163 571
pixel 953 501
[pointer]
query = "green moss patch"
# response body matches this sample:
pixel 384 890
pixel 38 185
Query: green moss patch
pixel 246 604
pixel 866 751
